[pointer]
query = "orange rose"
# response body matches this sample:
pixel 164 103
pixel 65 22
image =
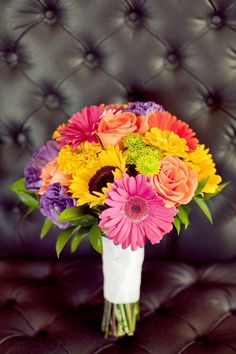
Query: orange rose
pixel 113 127
pixel 142 124
pixel 50 175
pixel 176 182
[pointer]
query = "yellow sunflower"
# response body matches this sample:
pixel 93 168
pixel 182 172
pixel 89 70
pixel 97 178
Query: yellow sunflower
pixel 168 142
pixel 84 156
pixel 90 185
pixel 201 161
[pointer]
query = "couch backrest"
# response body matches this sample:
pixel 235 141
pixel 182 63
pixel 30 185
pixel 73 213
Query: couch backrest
pixel 58 56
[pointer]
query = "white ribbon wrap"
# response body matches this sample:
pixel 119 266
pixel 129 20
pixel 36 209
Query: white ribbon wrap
pixel 122 270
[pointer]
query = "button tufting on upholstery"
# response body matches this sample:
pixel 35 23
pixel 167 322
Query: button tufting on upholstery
pixel 12 58
pixel 172 58
pixel 49 279
pixel 21 138
pixel 41 333
pixel 49 14
pixel 91 60
pixel 49 17
pixel 10 303
pixel 17 133
pixel 203 340
pixel 162 311
pixel 90 57
pixel 209 101
pixel 216 21
pixel 129 40
pixel 212 100
pixel 133 16
pixel 15 209
pixel 51 100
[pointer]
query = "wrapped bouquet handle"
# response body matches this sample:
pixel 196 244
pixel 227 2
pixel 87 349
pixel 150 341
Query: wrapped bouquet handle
pixel 122 271
pixel 127 171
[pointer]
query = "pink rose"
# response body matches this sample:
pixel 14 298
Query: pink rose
pixel 176 182
pixel 113 127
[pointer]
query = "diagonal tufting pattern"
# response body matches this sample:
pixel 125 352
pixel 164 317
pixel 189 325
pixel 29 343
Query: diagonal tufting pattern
pixel 36 320
pixel 57 56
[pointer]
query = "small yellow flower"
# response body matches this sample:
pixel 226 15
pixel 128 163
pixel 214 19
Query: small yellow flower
pixel 84 156
pixel 90 185
pixel 201 161
pixel 168 142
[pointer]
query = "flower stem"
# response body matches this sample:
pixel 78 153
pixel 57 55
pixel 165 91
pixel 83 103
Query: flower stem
pixel 119 319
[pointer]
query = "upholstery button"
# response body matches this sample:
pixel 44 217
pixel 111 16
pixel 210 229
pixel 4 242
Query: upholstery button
pixel 10 303
pixel 91 60
pixel 90 57
pixel 51 101
pixel 42 333
pixel 210 101
pixel 172 58
pixel 12 58
pixel 49 14
pixel 21 138
pixel 203 340
pixel 15 210
pixel 49 17
pixel 216 21
pixel 162 311
pixel 133 16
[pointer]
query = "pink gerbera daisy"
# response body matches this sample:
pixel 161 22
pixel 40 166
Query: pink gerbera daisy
pixel 165 121
pixel 80 127
pixel 135 213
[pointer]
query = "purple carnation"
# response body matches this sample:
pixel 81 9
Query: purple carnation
pixel 54 201
pixel 144 108
pixel 32 172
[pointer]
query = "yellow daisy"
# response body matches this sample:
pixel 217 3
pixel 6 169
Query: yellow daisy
pixel 201 161
pixel 168 142
pixel 84 156
pixel 90 185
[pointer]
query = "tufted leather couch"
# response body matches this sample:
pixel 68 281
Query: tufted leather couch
pixel 57 56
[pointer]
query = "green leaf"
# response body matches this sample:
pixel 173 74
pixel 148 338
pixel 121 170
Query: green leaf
pixel 48 224
pixel 201 185
pixel 63 238
pixel 86 220
pixel 18 185
pixel 95 237
pixel 208 196
pixel 222 186
pixel 183 216
pixel 70 214
pixel 204 208
pixel 28 199
pixel 77 238
pixel 177 224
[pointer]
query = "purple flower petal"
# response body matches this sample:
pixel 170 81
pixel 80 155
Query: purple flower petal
pixel 54 201
pixel 144 108
pixel 32 172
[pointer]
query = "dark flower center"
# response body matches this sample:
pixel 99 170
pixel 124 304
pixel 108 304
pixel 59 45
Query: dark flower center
pixel 136 209
pixel 101 178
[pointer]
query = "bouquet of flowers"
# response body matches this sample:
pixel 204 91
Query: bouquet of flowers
pixel 120 175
